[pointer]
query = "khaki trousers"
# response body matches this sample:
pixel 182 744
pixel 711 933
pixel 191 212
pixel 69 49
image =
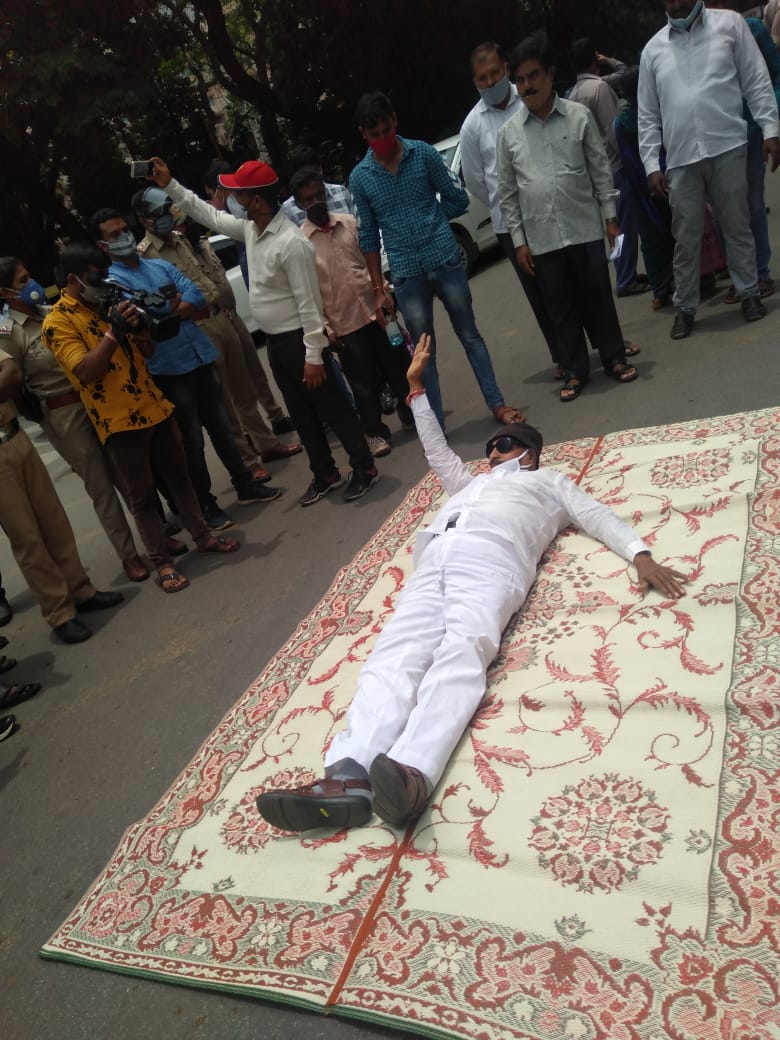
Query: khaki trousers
pixel 238 386
pixel 258 374
pixel 40 534
pixel 73 436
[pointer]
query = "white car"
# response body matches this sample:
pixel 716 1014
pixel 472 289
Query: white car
pixel 473 230
pixel 228 251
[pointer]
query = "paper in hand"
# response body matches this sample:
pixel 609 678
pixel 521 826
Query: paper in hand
pixel 618 249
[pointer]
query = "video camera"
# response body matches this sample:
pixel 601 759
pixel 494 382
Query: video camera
pixel 160 325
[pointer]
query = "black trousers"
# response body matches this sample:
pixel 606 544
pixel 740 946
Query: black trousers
pixel 369 360
pixel 199 403
pixel 533 295
pixel 577 293
pixel 309 409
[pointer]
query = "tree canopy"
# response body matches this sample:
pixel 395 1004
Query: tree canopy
pixel 86 87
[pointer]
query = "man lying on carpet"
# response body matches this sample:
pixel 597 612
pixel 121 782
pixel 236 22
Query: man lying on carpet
pixel 427 672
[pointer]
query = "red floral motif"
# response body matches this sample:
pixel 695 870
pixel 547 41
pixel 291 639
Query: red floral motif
pixel 596 835
pixel 392 946
pixel 202 917
pixel 245 830
pixel 120 909
pixel 312 932
pixel 713 992
pixel 757 694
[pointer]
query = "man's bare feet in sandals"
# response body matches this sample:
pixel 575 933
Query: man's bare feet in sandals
pixel 212 543
pixel 170 580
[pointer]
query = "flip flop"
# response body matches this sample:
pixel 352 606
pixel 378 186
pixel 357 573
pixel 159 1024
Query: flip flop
pixel 170 580
pixel 7 663
pixel 10 696
pixel 630 349
pixel 572 389
pixel 213 544
pixel 622 372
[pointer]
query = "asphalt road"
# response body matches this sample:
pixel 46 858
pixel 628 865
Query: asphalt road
pixel 121 715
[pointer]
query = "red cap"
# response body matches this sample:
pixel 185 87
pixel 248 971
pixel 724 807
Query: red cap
pixel 253 174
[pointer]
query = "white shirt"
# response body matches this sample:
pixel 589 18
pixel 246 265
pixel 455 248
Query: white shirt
pixel 284 291
pixel 478 152
pixel 691 86
pixel 524 508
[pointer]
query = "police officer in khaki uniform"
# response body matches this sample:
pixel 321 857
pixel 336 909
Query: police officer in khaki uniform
pixel 152 207
pixel 63 418
pixel 40 534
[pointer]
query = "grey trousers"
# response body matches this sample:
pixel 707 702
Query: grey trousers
pixel 723 181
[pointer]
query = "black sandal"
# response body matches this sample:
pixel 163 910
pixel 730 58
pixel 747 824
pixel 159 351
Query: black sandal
pixel 571 389
pixel 622 372
pixel 7 663
pixel 10 696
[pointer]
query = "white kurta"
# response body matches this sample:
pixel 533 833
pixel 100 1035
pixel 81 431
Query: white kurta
pixel 426 674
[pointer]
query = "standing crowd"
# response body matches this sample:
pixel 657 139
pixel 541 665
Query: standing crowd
pixel 144 349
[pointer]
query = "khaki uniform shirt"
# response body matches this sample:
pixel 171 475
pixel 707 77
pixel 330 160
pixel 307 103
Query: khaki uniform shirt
pixel 196 264
pixel 7 408
pixel 24 343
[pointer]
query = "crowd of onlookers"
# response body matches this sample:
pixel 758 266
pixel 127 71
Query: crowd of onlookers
pixel 143 350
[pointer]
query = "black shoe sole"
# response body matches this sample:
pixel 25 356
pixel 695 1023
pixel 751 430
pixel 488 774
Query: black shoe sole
pixel 391 801
pixel 290 811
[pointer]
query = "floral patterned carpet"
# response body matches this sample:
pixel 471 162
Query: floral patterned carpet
pixel 600 859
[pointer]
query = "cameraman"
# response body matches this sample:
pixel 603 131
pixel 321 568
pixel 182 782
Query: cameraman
pixel 105 361
pixel 184 367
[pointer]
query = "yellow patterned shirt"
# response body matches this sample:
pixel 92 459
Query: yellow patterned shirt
pixel 125 397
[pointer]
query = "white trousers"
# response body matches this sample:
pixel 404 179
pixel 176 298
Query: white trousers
pixel 426 674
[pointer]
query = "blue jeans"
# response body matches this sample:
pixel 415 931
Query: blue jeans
pixel 415 299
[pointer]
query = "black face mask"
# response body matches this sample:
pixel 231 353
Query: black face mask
pixel 318 214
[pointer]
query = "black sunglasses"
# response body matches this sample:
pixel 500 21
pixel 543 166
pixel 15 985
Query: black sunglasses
pixel 503 444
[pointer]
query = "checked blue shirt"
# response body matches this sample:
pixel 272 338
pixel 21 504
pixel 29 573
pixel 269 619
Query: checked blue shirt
pixel 411 208
pixel 190 347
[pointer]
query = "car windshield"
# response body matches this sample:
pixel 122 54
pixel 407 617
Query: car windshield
pixel 448 154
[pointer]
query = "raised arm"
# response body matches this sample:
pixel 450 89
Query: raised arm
pixel 448 467
pixel 195 207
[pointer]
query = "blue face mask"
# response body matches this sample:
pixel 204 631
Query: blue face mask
pixel 164 225
pixel 496 94
pixel 32 294
pixel 122 245
pixel 236 208
pixel 687 22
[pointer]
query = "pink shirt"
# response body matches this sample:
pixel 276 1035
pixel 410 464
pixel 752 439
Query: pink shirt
pixel 345 284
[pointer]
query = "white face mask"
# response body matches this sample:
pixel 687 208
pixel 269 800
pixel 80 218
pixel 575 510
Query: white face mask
pixel 236 208
pixel 520 458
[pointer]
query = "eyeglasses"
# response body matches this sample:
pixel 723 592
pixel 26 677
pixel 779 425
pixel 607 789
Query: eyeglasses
pixel 502 444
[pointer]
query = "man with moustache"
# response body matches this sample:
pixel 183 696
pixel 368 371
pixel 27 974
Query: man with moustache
pixel 498 102
pixel 426 675
pixel 556 193
pixel 693 76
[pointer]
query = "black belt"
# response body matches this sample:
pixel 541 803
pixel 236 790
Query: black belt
pixel 9 430
pixel 452 522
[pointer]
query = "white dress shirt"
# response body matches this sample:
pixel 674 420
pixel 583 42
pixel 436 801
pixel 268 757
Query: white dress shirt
pixel 691 86
pixel 479 166
pixel 555 184
pixel 284 291
pixel 525 509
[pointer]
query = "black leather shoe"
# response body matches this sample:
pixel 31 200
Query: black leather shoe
pixel 325 803
pixel 72 631
pixel 6 611
pixel 753 309
pixel 285 425
pixel 400 792
pixel 683 325
pixel 100 601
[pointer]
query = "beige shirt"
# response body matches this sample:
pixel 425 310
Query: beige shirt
pixel 602 100
pixel 41 371
pixel 284 291
pixel 7 408
pixel 345 283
